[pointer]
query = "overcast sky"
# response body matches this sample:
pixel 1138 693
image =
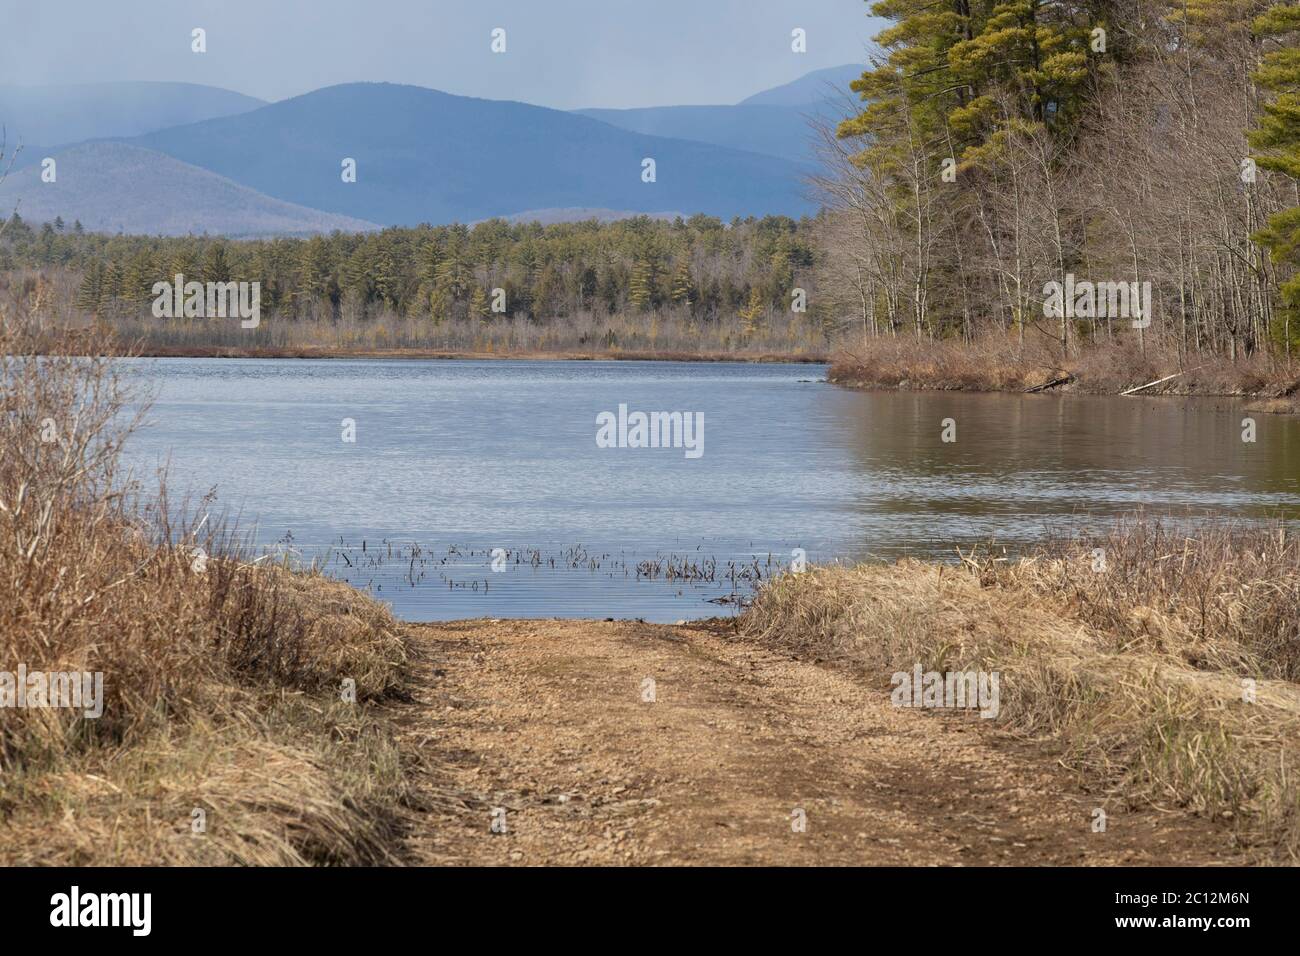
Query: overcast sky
pixel 560 53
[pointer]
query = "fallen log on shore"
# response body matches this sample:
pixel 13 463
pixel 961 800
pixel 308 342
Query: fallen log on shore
pixel 1051 384
pixel 1158 381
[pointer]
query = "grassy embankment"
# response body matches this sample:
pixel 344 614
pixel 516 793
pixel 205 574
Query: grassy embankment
pixel 999 364
pixel 224 709
pixel 1139 676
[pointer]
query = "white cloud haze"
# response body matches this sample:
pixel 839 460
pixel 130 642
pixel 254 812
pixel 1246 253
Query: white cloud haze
pixel 561 53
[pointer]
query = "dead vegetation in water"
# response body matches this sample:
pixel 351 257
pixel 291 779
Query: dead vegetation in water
pixel 372 564
pixel 1168 679
pixel 222 679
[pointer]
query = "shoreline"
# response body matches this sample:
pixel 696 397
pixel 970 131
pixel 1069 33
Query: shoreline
pixel 1263 402
pixel 577 355
pixel 844 370
pixel 1100 373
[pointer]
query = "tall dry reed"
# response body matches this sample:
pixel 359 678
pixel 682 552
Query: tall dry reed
pixel 221 676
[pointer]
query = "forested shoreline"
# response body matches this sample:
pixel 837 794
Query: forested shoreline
pixel 1008 145
pixel 639 284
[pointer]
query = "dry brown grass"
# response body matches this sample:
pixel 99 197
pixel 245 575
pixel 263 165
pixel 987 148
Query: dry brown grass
pixel 1225 599
pixel 1136 675
pixel 222 677
pixel 998 363
pixel 1276 406
pixel 990 364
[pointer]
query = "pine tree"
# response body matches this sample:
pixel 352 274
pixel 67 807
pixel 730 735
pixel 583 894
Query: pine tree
pixel 139 278
pixel 478 305
pixel 430 260
pixel 358 273
pixel 314 272
pixel 88 291
pixel 1277 142
pixel 216 265
pixel 545 291
pixel 683 292
pixel 640 290
pixel 388 277
pixel 608 286
pixel 439 305
pixel 753 313
pixel 183 263
pixel 949 74
pixel 110 287
pixel 453 273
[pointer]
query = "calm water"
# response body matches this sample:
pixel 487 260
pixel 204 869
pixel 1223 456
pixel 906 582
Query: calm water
pixel 455 459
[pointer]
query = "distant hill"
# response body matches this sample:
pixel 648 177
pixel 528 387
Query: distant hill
pixel 426 156
pixel 813 89
pixel 777 122
pixel 57 115
pixel 113 187
pixel 775 130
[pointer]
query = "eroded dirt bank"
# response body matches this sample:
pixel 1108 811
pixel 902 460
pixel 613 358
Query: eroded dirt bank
pixel 548 720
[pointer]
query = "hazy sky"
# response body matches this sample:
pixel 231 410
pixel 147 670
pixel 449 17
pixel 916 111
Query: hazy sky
pixel 560 53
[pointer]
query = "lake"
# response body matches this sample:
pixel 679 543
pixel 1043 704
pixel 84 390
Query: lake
pixel 457 466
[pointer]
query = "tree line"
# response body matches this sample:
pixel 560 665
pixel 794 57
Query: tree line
pixel 697 268
pixel 1006 145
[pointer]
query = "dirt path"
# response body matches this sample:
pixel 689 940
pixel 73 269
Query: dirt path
pixel 547 720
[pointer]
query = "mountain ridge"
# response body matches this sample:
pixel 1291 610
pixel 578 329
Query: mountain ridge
pixel 422 155
pixel 817 87
pixel 67 113
pixel 428 156
pixel 116 187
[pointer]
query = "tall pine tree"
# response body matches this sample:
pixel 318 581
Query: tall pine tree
pixel 1277 144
